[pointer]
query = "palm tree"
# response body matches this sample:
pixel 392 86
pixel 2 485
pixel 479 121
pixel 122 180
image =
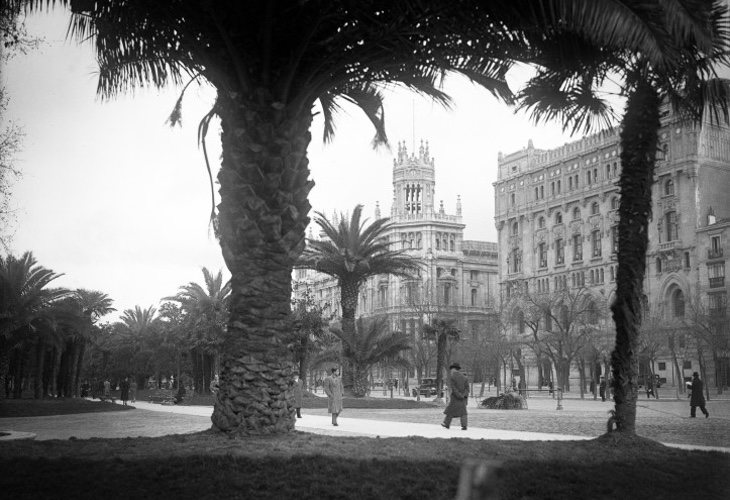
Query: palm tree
pixel 695 39
pixel 352 252
pixel 206 311
pixel 369 344
pixel 269 63
pixel 24 296
pixel 441 330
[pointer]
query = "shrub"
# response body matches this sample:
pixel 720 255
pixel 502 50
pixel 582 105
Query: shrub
pixel 508 401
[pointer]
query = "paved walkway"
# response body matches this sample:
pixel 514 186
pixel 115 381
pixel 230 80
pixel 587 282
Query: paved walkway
pixel 153 420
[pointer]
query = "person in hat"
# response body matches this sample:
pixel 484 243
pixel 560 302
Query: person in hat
pixel 459 397
pixel 333 388
pixel 697 397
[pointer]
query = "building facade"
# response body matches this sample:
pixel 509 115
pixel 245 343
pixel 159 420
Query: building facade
pixel 557 216
pixel 458 278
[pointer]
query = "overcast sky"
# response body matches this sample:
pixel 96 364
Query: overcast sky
pixel 119 202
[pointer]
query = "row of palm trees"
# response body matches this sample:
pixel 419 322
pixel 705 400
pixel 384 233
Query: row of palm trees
pixel 271 61
pixel 44 331
pixel 52 338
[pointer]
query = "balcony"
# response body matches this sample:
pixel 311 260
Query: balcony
pixel 714 253
pixel 717 282
pixel 669 245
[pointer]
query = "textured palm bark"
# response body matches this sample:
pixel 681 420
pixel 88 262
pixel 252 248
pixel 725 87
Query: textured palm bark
pixel 38 369
pixel 264 181
pixel 360 382
pixel 638 153
pixel 349 290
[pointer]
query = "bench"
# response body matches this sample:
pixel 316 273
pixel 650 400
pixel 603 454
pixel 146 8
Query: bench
pixel 162 397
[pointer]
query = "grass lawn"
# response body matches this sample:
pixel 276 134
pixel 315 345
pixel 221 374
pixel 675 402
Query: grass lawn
pixel 60 406
pixel 308 466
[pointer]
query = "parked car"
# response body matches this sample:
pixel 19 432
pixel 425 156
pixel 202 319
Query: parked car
pixel 427 388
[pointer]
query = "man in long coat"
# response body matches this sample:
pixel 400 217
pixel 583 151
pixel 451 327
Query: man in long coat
pixel 333 388
pixel 698 397
pixel 459 397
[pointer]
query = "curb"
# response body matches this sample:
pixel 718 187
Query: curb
pixel 6 435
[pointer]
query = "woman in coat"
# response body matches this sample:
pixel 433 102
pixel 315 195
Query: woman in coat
pixel 698 397
pixel 124 386
pixel 459 397
pixel 298 392
pixel 333 388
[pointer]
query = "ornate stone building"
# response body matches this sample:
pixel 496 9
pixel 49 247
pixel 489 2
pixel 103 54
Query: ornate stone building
pixel 556 213
pixel 458 277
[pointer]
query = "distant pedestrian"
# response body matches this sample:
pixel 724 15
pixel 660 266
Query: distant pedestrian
pixel 124 391
pixel 215 385
pixel 698 397
pixel 602 389
pixel 649 388
pixel 298 392
pixel 459 386
pixel 133 390
pixel 522 386
pixel 333 388
pixel 107 389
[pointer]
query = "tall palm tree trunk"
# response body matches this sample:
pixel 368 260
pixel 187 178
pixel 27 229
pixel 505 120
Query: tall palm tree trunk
pixel 638 152
pixel 348 302
pixel 263 217
pixel 39 366
pixel 4 365
pixel 81 350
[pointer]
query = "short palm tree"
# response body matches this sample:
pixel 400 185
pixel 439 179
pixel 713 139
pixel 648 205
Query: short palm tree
pixel 370 343
pixel 206 312
pixel 352 252
pixel 269 63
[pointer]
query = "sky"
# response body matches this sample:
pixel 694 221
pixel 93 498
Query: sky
pixel 118 201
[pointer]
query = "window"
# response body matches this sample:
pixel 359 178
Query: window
pixel 686 260
pixel 541 222
pixel 717 304
pixel 537 195
pixel 576 213
pixel 473 275
pixel 662 366
pixel 594 208
pixel 512 199
pixel 542 254
pixel 542 192
pixel 548 319
pixel 552 188
pixel 716 274
pixel 577 247
pixel 614 203
pixel 596 243
pixel 588 177
pixel 669 187
pixel 687 365
pixel 678 303
pixel 615 169
pixel 383 296
pixel 595 175
pixel 558 218
pixel 570 182
pixel 473 296
pixel 558 186
pixel 559 252
pixel 608 171
pixel 451 245
pixel 516 260
pixel 515 229
pixel 671 222
pixel 447 293
pixel 658 265
pixel 439 272
pixel 576 181
pixel 453 271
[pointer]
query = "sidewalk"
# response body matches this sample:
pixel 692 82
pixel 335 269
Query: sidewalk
pixel 151 420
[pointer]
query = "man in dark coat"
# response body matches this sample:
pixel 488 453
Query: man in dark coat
pixel 459 397
pixel 698 397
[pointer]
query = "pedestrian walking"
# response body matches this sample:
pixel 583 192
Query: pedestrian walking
pixel 602 389
pixel 522 387
pixel 298 392
pixel 698 397
pixel 333 388
pixel 124 391
pixel 133 390
pixel 107 389
pixel 459 386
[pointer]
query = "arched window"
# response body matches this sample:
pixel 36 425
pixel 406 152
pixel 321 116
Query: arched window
pixel 671 223
pixel 614 203
pixel 594 208
pixel 658 265
pixel 576 213
pixel 541 222
pixel 669 187
pixel 558 218
pixel 473 296
pixel 678 303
